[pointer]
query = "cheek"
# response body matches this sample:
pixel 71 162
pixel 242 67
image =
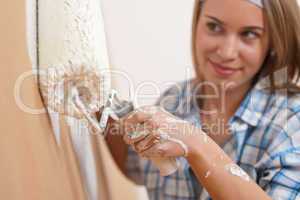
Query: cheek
pixel 205 45
pixel 252 59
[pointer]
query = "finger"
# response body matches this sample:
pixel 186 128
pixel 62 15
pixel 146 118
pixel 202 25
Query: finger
pixel 129 125
pixel 151 124
pixel 170 149
pixel 136 136
pixel 137 116
pixel 140 131
pixel 146 143
pixel 152 152
pixel 131 138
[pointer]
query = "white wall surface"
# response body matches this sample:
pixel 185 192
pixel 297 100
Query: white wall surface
pixel 149 41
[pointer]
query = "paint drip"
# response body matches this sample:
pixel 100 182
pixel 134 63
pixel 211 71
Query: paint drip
pixel 207 174
pixel 237 171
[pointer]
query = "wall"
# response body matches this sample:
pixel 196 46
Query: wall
pixel 149 41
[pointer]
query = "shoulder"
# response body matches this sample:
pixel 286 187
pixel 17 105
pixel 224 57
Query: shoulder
pixel 274 118
pixel 279 107
pixel 280 123
pixel 280 104
pixel 282 108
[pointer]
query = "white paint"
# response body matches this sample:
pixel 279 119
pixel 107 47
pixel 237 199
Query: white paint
pixel 31 31
pixel 205 139
pixel 71 37
pixel 235 170
pixel 207 174
pixel 72 32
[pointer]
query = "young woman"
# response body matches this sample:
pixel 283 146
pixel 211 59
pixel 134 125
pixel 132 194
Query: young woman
pixel 242 139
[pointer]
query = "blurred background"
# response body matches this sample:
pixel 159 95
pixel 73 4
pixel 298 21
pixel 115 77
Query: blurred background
pixel 150 41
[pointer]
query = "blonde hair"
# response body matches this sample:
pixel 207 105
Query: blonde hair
pixel 283 20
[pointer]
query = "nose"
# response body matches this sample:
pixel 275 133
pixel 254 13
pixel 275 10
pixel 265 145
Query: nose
pixel 228 49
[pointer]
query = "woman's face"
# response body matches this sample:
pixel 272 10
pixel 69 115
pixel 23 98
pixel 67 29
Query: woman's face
pixel 232 41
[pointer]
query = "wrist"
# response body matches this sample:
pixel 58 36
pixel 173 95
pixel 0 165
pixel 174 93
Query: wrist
pixel 195 144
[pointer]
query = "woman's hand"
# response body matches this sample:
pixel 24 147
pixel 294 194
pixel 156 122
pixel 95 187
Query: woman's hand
pixel 153 132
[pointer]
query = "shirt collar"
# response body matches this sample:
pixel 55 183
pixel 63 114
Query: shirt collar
pixel 253 106
pixel 260 97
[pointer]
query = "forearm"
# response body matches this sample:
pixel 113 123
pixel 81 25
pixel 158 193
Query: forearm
pixel 210 164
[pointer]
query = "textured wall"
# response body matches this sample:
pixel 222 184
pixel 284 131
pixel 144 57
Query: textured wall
pixel 71 35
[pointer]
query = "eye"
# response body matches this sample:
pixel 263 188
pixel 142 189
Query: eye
pixel 250 35
pixel 214 27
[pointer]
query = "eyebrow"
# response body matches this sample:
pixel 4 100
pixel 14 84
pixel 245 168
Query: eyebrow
pixel 247 27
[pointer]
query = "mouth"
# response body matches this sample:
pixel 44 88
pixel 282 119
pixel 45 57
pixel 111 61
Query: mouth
pixel 222 70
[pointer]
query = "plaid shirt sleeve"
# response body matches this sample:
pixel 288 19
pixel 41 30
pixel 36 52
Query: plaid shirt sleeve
pixel 168 100
pixel 133 168
pixel 280 164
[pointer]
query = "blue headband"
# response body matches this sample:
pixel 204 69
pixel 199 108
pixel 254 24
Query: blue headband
pixel 258 3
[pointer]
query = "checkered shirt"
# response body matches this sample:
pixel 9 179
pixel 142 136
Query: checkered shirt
pixel 265 143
